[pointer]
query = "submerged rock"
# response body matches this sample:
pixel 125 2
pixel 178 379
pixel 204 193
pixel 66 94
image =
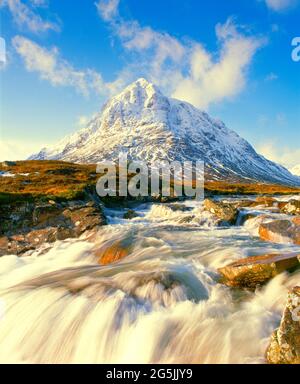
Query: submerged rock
pixel 178 207
pixel 258 270
pixel 281 231
pixel 284 347
pixel 226 213
pixel 113 252
pixel 130 214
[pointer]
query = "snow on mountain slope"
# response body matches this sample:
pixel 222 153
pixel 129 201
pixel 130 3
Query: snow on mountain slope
pixel 295 170
pixel 149 126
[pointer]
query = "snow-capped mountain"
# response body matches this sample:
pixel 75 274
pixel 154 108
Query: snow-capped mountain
pixel 296 170
pixel 150 126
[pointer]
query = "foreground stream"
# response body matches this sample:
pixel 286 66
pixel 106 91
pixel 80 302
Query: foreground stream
pixel 161 304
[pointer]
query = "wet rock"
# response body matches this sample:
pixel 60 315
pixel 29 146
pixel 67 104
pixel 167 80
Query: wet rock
pixel 113 252
pixel 245 216
pixel 258 270
pixel 226 213
pixel 265 200
pixel 284 347
pixel 21 243
pixel 186 219
pixel 130 214
pixel 45 214
pixel 26 226
pixel 291 208
pixel 84 218
pixel 243 203
pixel 178 207
pixel 281 231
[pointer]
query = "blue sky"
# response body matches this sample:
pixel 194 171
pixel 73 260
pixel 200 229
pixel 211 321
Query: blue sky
pixel 231 58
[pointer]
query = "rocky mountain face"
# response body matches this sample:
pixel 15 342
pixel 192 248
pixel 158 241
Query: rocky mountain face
pixel 149 126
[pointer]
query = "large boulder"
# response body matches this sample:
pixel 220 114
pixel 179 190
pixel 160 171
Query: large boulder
pixel 285 341
pixel 281 231
pixel 225 212
pixel 258 270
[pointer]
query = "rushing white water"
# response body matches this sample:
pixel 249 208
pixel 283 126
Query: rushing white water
pixel 161 304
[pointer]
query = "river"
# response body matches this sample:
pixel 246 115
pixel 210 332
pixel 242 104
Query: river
pixel 161 304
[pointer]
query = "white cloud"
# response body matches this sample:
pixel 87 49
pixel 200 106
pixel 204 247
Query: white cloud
pixel 183 68
pixel 198 76
pixel 52 67
pixel 213 79
pixel 25 16
pixel 286 156
pixel 108 9
pixel 280 5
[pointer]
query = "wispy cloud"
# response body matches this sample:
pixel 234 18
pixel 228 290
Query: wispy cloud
pixel 183 68
pixel 198 76
pixel 280 5
pixel 108 9
pixel 286 156
pixel 271 77
pixel 51 66
pixel 26 15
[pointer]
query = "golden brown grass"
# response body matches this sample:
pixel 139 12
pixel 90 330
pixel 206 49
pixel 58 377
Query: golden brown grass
pixel 46 179
pixel 221 187
pixel 60 180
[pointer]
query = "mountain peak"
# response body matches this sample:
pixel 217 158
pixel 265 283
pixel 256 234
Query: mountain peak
pixel 149 126
pixel 141 85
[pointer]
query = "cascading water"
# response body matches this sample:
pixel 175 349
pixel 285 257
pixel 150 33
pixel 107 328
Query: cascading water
pixel 161 304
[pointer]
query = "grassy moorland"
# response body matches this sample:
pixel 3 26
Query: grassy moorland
pixel 224 188
pixel 55 180
pixel 62 181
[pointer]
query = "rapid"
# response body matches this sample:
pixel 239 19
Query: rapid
pixel 161 304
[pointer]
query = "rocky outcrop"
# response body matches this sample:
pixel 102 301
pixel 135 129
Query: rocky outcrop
pixel 226 213
pixel 285 341
pixel 256 271
pixel 281 231
pixel 26 226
